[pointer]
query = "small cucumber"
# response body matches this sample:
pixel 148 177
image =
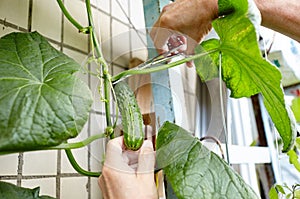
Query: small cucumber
pixel 131 116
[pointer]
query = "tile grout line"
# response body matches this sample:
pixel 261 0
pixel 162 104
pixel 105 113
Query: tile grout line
pixel 20 168
pixel 110 36
pixel 58 174
pixel 89 126
pixel 21 155
pixel 29 24
pixel 28 177
pixel 6 23
pixel 130 35
pixel 58 163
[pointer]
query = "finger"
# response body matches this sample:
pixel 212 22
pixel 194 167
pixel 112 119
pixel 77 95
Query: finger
pixel 166 7
pixel 114 156
pixel 191 45
pixel 114 147
pixel 190 64
pixel 183 42
pixel 131 157
pixel 178 42
pixel 160 37
pixel 103 187
pixel 146 158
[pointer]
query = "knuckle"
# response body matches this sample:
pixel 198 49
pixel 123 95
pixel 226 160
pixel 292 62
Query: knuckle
pixel 166 8
pixel 166 21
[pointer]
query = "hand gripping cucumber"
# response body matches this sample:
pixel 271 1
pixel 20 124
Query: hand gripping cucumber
pixel 131 116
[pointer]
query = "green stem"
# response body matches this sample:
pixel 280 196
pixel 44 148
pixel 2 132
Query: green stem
pixel 80 144
pixel 106 76
pixel 70 18
pixel 78 168
pixel 155 68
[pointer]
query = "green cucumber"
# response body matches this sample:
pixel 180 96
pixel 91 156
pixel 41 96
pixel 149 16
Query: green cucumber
pixel 131 116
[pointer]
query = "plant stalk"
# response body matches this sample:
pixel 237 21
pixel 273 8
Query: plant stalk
pixel 106 76
pixel 80 144
pixel 71 19
pixel 155 68
pixel 78 168
pixel 107 82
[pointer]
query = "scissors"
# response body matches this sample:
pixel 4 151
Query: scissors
pixel 156 61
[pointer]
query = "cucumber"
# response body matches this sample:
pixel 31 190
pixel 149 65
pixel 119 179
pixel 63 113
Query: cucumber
pixel 131 116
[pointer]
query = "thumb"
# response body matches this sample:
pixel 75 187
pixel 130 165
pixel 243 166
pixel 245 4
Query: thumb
pixel 146 160
pixel 191 45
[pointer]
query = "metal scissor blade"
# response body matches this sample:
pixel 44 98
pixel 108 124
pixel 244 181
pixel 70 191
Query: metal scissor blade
pixel 150 64
pixel 155 61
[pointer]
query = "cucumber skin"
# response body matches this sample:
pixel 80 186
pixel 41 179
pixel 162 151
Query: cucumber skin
pixel 131 116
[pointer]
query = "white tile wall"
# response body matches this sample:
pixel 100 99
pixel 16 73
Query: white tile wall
pixel 120 10
pixel 121 42
pixel 9 8
pixel 9 164
pixel 139 44
pixel 47 185
pixel 135 10
pixel 74 187
pixel 98 147
pixel 95 189
pixel 77 10
pixel 103 5
pixel 102 24
pixel 44 21
pixel 80 154
pixel 40 163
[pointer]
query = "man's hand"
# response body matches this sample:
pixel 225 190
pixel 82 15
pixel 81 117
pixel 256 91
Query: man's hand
pixel 184 21
pixel 128 174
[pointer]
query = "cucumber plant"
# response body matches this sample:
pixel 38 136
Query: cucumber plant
pixel 31 71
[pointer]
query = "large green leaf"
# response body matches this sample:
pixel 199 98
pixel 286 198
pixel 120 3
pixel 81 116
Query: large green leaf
pixel 244 70
pixel 10 191
pixel 197 172
pixel 273 193
pixel 296 108
pixel 42 102
pixel 293 158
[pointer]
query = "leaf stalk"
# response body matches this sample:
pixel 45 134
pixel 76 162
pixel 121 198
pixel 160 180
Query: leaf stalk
pixel 71 19
pixel 155 68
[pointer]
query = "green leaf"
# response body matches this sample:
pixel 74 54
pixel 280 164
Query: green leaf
pixel 196 172
pixel 280 189
pixel 10 191
pixel 296 108
pixel 297 143
pixel 297 194
pixel 293 158
pixel 42 102
pixel 244 70
pixel 273 193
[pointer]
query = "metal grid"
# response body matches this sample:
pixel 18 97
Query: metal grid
pixel 19 177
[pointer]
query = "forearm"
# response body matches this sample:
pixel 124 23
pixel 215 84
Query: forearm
pixel 281 16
